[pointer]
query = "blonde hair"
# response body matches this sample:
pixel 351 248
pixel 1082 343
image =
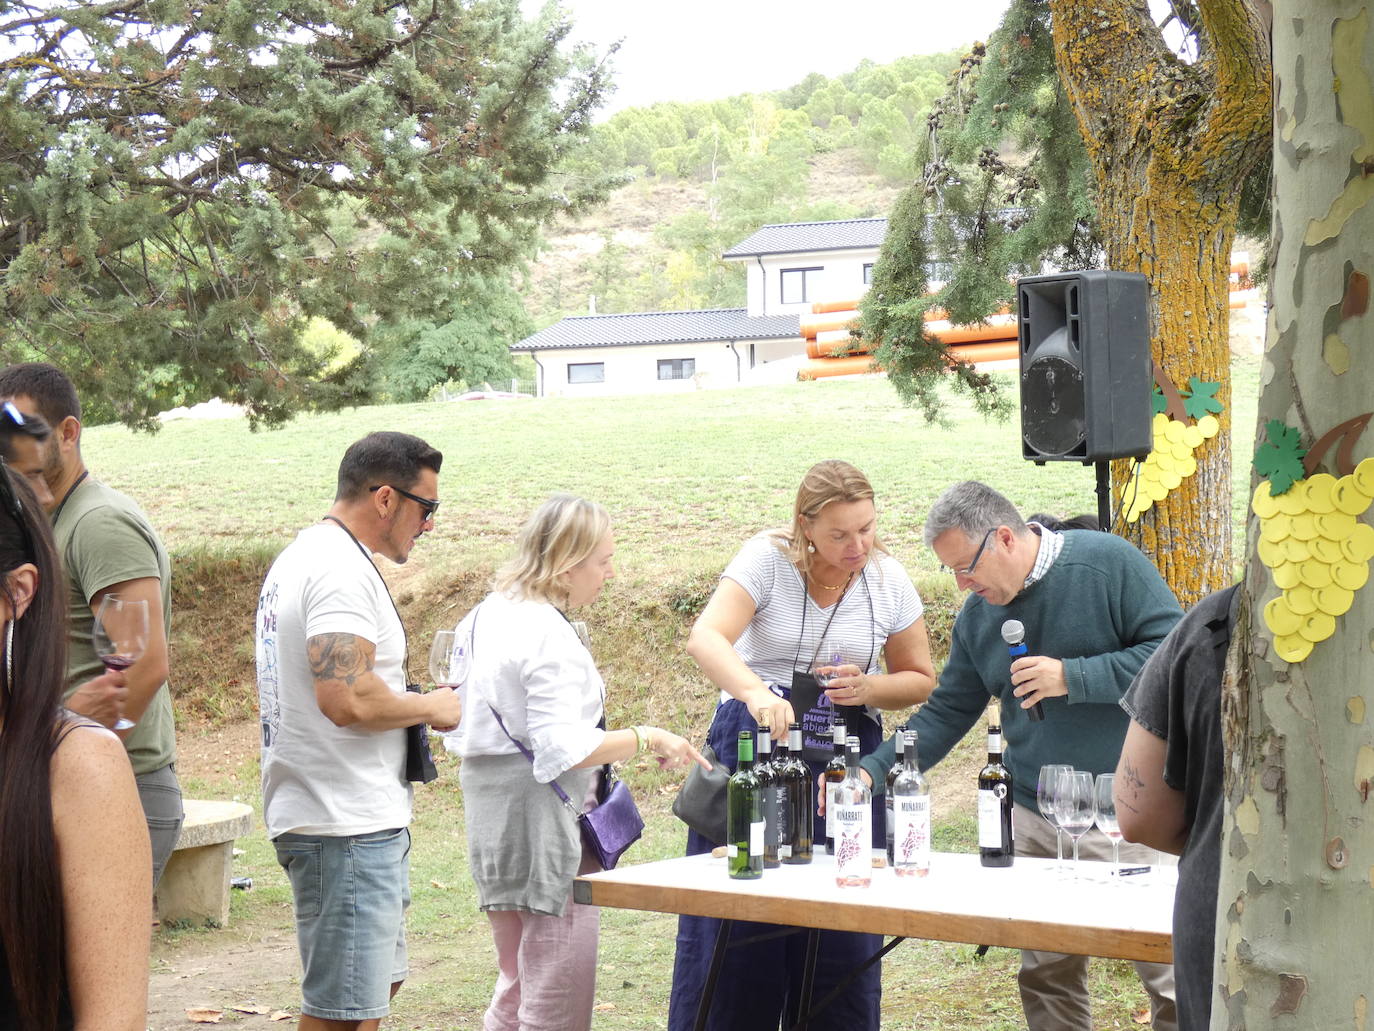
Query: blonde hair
pixel 561 533
pixel 825 482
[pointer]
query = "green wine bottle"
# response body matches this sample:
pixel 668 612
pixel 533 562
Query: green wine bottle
pixel 744 818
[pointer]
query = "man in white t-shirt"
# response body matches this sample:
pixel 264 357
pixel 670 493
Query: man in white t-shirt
pixel 331 654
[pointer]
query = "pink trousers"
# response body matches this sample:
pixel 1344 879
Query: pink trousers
pixel 546 978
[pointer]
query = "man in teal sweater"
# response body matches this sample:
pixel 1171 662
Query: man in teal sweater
pixel 1094 609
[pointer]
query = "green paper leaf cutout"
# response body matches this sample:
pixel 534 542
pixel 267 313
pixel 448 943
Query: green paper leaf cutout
pixel 1158 403
pixel 1280 459
pixel 1200 398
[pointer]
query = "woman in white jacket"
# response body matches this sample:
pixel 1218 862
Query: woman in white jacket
pixel 530 664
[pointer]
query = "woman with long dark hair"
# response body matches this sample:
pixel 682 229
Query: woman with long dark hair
pixel 75 882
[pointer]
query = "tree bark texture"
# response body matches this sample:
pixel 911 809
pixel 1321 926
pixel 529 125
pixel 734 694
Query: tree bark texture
pixel 1295 912
pixel 1171 143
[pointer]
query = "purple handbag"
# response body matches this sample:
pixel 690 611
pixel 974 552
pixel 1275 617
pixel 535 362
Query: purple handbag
pixel 609 827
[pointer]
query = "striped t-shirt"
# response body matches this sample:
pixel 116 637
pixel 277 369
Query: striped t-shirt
pixel 787 626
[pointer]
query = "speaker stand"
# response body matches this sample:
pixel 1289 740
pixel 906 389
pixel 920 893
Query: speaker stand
pixel 1104 496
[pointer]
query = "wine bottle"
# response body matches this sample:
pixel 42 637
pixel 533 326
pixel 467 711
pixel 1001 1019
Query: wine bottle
pixel 744 817
pixel 911 808
pixel 893 773
pixel 768 797
pixel 995 845
pixel 782 806
pixel 834 773
pixel 853 825
pixel 795 848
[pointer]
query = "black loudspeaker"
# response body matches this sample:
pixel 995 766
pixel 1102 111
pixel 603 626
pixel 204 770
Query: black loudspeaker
pixel 1086 373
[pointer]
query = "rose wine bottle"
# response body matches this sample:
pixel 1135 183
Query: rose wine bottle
pixel 911 807
pixel 853 825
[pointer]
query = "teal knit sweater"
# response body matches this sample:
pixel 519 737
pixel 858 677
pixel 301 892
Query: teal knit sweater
pixel 1102 608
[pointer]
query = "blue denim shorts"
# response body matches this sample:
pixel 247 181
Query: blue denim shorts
pixel 351 896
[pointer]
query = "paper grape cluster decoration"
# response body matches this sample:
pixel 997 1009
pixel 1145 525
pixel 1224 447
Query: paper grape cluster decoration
pixel 1183 421
pixel 1311 536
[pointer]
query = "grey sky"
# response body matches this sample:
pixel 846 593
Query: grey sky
pixel 704 49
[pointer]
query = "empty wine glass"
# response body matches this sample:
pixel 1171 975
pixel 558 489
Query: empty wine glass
pixel 1104 806
pixel 448 659
pixel 1044 799
pixel 1073 806
pixel 120 636
pixel 825 669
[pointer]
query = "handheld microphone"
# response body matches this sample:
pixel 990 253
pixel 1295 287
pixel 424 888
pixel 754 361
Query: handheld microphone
pixel 1014 633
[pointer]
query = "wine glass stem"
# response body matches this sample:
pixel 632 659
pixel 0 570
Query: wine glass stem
pixel 1075 857
pixel 1059 846
pixel 1116 859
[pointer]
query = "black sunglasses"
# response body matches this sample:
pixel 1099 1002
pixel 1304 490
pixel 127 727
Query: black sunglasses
pixel 428 506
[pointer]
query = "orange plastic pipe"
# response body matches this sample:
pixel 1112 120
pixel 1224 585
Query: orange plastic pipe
pixel 813 324
pixel 820 368
pixel 995 351
pixel 821 307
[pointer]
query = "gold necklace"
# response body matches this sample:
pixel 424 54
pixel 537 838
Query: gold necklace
pixel 837 587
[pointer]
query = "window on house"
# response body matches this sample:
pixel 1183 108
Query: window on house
pixel 798 284
pixel 868 273
pixel 677 368
pixel 586 372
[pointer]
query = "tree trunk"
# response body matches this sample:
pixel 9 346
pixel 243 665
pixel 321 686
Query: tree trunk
pixel 1295 912
pixel 1171 144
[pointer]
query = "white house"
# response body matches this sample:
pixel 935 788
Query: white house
pixel 792 266
pixel 789 268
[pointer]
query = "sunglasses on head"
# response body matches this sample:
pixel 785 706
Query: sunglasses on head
pixel 428 506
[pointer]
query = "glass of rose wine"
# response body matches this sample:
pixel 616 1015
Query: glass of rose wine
pixel 120 636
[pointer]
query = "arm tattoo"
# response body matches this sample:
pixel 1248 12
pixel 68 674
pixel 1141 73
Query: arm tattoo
pixel 1130 781
pixel 337 657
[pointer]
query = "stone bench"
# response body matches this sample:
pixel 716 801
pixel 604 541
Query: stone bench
pixel 195 882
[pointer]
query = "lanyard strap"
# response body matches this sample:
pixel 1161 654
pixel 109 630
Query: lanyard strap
pixel 405 639
pixel 872 621
pixel 57 512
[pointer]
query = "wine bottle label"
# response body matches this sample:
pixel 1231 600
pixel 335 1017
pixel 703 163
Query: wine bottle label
pixel 756 838
pixel 989 819
pixel 731 851
pixel 832 802
pixel 853 837
pixel 784 810
pixel 911 835
pixel 784 851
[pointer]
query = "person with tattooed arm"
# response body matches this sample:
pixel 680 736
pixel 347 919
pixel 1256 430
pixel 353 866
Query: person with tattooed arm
pixel 334 708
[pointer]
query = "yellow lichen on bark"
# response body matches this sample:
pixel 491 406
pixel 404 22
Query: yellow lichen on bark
pixel 1357 96
pixel 1336 354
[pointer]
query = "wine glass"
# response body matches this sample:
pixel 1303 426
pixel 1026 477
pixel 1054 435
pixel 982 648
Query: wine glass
pixel 448 659
pixel 1104 805
pixel 1044 799
pixel 825 667
pixel 1073 806
pixel 120 636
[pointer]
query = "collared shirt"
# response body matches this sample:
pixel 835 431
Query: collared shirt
pixel 1051 544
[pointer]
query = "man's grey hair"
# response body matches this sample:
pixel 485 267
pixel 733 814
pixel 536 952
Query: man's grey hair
pixel 974 508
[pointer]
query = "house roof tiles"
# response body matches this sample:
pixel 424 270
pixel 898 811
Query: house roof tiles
pixel 805 237
pixel 659 327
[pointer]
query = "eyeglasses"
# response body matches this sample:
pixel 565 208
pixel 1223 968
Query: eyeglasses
pixel 428 506
pixel 977 555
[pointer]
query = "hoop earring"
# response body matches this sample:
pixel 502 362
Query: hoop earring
pixel 9 655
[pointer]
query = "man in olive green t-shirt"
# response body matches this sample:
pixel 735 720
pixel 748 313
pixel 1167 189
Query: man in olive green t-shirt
pixel 107 547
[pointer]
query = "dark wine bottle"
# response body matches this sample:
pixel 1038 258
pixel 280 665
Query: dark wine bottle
pixel 768 797
pixel 995 844
pixel 795 847
pixel 834 775
pixel 744 816
pixel 897 769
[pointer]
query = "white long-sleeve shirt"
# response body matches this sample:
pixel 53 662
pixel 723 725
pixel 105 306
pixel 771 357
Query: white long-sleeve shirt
pixel 526 660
